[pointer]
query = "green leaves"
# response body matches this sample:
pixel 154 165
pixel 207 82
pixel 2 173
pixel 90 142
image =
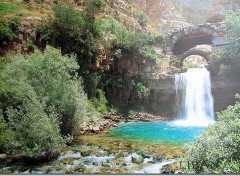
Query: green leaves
pixel 141 90
pixel 231 24
pixel 117 37
pixel 142 19
pixel 218 150
pixel 8 29
pixel 51 103
pixel 135 86
pixel 227 62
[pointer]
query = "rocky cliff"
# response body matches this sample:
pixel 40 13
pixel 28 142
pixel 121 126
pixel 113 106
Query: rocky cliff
pixel 169 14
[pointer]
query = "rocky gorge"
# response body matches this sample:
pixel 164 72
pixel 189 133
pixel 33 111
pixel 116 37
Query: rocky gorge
pixel 159 80
pixel 128 76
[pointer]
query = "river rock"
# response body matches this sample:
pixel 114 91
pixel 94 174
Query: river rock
pixel 166 169
pixel 38 171
pixel 90 127
pixel 96 128
pixel 138 159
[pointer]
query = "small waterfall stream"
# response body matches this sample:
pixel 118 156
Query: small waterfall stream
pixel 194 98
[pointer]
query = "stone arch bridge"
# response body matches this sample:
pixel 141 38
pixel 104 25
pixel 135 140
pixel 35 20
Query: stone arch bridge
pixel 181 42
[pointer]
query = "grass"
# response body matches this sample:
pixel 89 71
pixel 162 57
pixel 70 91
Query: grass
pixel 9 8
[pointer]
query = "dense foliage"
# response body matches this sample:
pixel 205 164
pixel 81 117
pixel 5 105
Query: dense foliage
pixel 218 150
pixel 81 32
pixel 142 19
pixel 231 24
pixel 134 85
pixel 74 31
pixel 227 63
pixel 8 29
pixel 100 102
pixel 43 104
pixel 120 41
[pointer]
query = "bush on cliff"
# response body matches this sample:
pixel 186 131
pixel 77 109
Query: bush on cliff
pixel 43 103
pixel 8 29
pixel 74 31
pixel 121 41
pixel 227 62
pixel 218 150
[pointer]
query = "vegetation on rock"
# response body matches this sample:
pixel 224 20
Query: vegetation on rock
pixel 131 84
pixel 8 29
pixel 121 41
pixel 226 62
pixel 82 33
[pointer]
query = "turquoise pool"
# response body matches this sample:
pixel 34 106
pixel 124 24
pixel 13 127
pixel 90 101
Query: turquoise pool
pixel 157 132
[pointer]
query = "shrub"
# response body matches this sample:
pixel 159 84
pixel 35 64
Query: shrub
pixel 36 132
pixel 127 41
pixel 91 82
pixel 141 90
pixel 30 44
pixel 232 31
pixel 150 53
pixel 135 86
pixel 7 138
pixel 74 32
pixel 92 6
pixel 45 31
pixel 229 61
pixel 100 102
pixel 217 151
pixel 142 19
pixel 51 101
pixel 8 29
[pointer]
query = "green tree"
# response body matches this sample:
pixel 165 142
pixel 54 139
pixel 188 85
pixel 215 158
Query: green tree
pixel 8 29
pixel 74 32
pixel 44 103
pixel 231 25
pixel 217 151
pixel 227 63
pixel 93 7
pixel 120 41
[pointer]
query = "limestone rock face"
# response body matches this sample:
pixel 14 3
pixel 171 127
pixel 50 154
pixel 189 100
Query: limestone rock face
pixel 169 14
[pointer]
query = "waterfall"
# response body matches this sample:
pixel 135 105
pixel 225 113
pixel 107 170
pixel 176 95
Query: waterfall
pixel 194 98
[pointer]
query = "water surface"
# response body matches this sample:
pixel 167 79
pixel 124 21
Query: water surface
pixel 161 132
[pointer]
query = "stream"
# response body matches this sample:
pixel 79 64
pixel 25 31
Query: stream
pixel 149 147
pixel 106 153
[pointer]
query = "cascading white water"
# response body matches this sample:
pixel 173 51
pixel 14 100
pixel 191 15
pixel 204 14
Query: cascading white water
pixel 196 102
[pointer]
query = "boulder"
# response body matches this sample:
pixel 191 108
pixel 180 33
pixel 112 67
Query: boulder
pixel 138 159
pixel 90 127
pixel 96 128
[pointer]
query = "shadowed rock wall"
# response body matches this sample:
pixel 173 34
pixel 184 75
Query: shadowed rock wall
pixel 162 97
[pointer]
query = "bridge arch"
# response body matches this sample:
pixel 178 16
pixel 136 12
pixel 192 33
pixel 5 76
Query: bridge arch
pixel 179 41
pixel 203 54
